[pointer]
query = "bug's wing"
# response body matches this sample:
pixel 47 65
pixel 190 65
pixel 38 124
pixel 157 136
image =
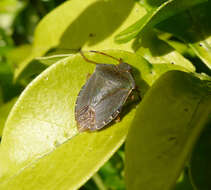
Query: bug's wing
pixel 86 93
pixel 108 108
pixel 96 87
pixel 84 113
pixel 101 98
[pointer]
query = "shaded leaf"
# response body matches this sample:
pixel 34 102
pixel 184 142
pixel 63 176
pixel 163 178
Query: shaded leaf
pixel 112 172
pixel 4 112
pixel 155 16
pixel 1 96
pixel 9 89
pixel 178 45
pixel 166 126
pixel 157 51
pixel 200 165
pixel 194 28
pixel 183 183
pixel 99 182
pixel 18 54
pixel 39 64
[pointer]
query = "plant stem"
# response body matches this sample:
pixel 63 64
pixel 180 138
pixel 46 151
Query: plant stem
pixel 98 181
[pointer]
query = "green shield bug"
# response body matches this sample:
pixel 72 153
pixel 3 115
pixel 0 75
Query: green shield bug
pixel 101 99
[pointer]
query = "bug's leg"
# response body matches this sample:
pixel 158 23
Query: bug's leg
pixel 86 59
pixel 138 92
pixel 102 53
pixel 132 97
pixel 88 76
pixel 117 120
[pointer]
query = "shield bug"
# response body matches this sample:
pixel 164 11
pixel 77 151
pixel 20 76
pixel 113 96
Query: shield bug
pixel 101 99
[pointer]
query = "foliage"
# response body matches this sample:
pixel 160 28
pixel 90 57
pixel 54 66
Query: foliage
pixel 167 134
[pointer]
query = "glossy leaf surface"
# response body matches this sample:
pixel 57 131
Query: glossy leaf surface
pixel 40 137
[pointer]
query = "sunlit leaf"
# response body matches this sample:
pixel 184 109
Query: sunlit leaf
pixel 40 140
pixel 91 25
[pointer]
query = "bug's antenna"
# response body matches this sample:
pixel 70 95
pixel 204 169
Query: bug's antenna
pixel 86 59
pixel 119 60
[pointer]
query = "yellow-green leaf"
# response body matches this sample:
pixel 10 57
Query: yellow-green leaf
pixel 200 161
pixel 41 147
pixel 193 27
pixel 157 51
pixel 166 126
pixel 158 13
pixel 4 112
pixel 91 25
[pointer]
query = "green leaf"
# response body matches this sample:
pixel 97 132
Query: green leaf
pixel 18 54
pixel 200 166
pixel 203 51
pixel 9 89
pixel 167 124
pixel 8 11
pixel 193 27
pixel 157 51
pixel 4 112
pixel 183 183
pixel 37 65
pixel 112 172
pixel 91 25
pixel 180 46
pixel 53 58
pixel 154 16
pixel 41 147
pixel 1 96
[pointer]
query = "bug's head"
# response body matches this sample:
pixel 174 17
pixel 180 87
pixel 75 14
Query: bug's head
pixel 124 67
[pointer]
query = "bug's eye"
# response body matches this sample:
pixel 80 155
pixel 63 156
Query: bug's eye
pixel 124 67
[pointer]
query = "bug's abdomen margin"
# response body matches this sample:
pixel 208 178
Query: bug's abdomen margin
pixel 85 118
